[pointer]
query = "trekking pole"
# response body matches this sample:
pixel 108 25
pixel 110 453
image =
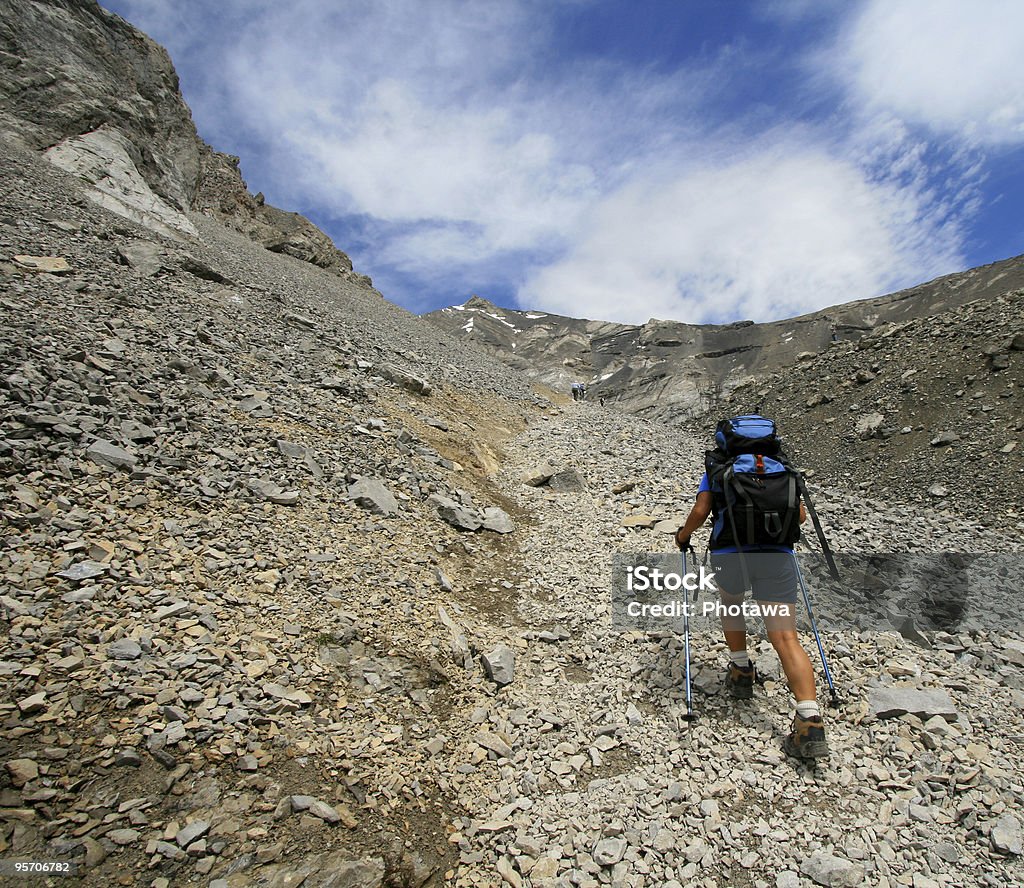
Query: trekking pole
pixel 690 715
pixel 834 701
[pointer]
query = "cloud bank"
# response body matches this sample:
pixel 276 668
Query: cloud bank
pixel 451 142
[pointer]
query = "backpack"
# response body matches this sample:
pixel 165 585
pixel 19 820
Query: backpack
pixel 750 433
pixel 755 491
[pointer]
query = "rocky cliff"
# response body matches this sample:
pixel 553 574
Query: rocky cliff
pixel 100 99
pixel 675 370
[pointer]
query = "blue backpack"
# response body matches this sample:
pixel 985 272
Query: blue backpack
pixel 755 491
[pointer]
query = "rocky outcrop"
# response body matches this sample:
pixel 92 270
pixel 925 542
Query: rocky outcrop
pixel 222 194
pixel 101 100
pixel 102 158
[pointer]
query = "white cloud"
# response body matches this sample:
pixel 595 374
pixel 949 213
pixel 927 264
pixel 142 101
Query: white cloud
pixel 470 147
pixel 950 65
pixel 787 229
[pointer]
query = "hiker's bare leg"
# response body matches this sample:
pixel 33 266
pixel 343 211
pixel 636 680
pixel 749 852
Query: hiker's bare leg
pixel 734 628
pixel 795 662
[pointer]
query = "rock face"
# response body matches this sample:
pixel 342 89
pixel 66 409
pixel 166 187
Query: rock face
pixel 101 100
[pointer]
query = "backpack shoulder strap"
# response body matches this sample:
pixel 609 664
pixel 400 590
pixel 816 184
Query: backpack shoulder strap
pixel 716 462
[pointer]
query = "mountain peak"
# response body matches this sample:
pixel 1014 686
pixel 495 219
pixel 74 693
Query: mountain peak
pixel 475 301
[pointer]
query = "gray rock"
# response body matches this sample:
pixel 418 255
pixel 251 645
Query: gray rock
pixel 174 609
pixel 497 520
pixel 499 664
pixel 143 256
pixel 566 481
pixel 890 702
pixel 609 851
pixel 124 649
pixel 83 570
pixel 290 449
pixel 373 496
pixel 173 734
pixel 494 743
pixel 299 320
pixel 201 269
pixel 946 851
pixel 942 439
pixel 109 454
pixel 831 871
pixel 454 513
pixel 192 831
pixel 539 476
pixel 405 378
pixel 123 836
pixel 324 811
pixel 137 431
pixel 103 158
pixel 128 758
pixel 1006 835
pixel 869 425
pixel 273 493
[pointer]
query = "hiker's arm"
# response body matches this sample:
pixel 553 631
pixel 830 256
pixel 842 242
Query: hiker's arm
pixel 698 515
pixel 803 513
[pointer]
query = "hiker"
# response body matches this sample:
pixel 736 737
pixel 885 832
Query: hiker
pixel 575 391
pixel 749 492
pixel 583 392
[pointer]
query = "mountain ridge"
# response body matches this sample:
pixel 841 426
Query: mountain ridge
pixel 674 369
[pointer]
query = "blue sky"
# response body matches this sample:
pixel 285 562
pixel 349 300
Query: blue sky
pixel 707 161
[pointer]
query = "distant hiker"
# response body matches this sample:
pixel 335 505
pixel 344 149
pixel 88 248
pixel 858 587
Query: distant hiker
pixel 576 391
pixel 583 392
pixel 752 493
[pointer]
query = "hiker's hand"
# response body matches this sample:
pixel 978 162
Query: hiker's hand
pixel 683 542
